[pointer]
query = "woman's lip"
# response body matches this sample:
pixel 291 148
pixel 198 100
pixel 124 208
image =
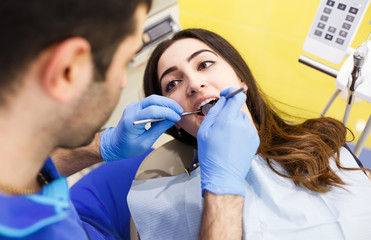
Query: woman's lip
pixel 200 100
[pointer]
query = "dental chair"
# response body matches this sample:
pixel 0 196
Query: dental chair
pixel 170 159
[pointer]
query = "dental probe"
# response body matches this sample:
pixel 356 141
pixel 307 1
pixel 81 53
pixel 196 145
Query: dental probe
pixel 161 119
pixel 244 88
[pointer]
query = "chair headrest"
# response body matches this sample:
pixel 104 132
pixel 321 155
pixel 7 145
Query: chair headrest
pixel 170 159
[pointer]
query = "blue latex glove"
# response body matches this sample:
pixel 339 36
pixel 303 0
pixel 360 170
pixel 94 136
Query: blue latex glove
pixel 227 143
pixel 127 140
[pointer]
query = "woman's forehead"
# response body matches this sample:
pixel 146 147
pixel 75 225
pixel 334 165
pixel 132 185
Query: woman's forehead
pixel 179 51
pixel 184 47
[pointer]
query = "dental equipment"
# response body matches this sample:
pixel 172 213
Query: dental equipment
pixel 205 109
pixel 359 58
pixel 318 66
pixel 330 36
pixel 334 27
pixel 353 76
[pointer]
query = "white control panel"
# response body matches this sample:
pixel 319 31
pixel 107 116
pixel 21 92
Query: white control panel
pixel 334 27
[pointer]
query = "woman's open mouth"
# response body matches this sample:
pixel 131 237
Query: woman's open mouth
pixel 205 106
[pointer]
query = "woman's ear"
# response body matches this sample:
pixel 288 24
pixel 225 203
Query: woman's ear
pixel 243 84
pixel 67 69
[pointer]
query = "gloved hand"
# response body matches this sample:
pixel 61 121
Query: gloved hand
pixel 227 143
pixel 127 140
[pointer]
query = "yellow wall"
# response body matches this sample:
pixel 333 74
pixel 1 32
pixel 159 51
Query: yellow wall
pixel 270 34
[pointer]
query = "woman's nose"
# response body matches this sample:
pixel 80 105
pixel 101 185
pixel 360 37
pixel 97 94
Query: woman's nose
pixel 195 85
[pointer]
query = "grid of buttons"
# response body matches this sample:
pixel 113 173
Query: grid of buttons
pixel 332 34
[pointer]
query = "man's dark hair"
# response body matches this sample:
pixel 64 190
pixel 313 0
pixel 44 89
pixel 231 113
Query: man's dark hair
pixel 29 26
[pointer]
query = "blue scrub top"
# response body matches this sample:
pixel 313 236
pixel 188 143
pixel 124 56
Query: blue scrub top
pixel 96 204
pixel 48 214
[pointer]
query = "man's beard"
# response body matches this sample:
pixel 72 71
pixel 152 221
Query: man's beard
pixel 95 101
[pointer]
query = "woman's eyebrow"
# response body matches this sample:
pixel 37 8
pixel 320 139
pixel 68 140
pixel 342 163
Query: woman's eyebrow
pixel 193 55
pixel 167 71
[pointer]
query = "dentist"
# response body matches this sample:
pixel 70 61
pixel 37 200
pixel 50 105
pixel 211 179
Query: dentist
pixel 63 66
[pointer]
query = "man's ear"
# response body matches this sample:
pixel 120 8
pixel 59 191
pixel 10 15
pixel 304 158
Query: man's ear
pixel 67 68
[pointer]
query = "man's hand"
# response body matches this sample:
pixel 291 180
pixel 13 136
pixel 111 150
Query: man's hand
pixel 227 143
pixel 127 140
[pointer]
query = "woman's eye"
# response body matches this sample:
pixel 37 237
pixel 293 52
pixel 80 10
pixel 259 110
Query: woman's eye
pixel 171 85
pixel 204 65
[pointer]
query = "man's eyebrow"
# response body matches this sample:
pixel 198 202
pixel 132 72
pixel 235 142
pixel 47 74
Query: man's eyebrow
pixel 193 55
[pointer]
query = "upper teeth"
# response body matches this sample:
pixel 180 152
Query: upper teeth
pixel 204 102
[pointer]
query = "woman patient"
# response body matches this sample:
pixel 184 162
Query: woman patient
pixel 302 184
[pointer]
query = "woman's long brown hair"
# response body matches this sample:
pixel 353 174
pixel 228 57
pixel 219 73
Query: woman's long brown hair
pixel 303 150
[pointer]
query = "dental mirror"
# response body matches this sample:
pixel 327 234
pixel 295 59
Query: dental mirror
pixel 206 108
